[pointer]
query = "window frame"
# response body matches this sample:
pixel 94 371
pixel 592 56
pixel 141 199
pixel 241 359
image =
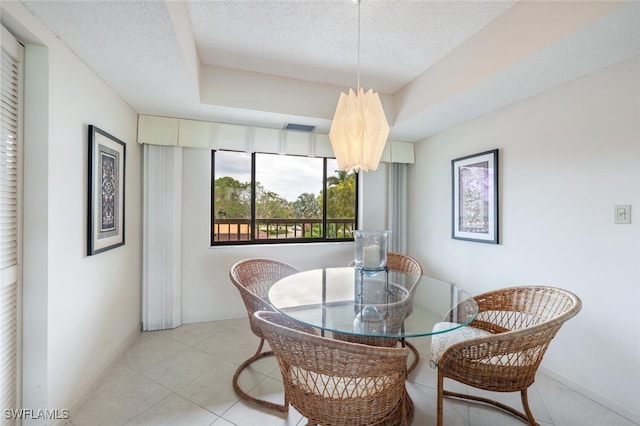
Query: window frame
pixel 253 219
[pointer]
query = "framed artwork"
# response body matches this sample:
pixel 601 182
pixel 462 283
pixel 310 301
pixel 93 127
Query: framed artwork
pixel 106 184
pixel 474 199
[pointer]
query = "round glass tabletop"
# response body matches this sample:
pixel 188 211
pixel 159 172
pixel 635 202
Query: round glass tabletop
pixel 384 304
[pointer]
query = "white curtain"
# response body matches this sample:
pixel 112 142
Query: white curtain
pixel 397 215
pixel 162 241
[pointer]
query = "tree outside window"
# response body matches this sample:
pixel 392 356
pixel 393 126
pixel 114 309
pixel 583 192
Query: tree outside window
pixel 267 198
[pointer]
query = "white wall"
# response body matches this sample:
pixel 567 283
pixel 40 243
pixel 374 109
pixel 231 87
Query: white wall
pixel 92 303
pixel 566 158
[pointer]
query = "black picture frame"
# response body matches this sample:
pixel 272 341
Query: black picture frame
pixel 106 195
pixel 474 197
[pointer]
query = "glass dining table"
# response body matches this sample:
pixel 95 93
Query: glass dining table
pixel 383 304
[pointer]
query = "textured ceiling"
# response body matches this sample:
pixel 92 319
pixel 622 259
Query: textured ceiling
pixel 317 40
pixel 266 63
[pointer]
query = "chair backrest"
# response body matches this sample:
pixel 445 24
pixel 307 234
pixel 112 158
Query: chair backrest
pixel 391 306
pixel 376 312
pixel 253 278
pixel 522 322
pixel 400 310
pixel 335 382
pixel 404 263
pixel 407 264
pixel 516 308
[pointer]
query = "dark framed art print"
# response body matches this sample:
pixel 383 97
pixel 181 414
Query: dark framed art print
pixel 474 200
pixel 106 191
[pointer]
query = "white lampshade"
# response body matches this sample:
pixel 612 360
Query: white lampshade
pixel 359 131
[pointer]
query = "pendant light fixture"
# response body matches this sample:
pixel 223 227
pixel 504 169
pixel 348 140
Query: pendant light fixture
pixel 359 129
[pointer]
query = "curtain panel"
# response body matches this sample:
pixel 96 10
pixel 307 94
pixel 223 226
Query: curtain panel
pixel 162 241
pixel 397 209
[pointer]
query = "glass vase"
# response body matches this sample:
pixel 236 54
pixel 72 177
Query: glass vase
pixel 370 250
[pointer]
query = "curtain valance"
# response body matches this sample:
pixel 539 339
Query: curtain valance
pixel 167 131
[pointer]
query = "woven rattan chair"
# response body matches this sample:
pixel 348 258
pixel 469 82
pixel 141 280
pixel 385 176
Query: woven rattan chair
pixel 402 263
pixel 378 309
pixel 502 348
pixel 253 278
pixel 332 382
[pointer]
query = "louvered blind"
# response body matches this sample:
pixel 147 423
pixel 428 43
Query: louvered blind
pixel 10 109
pixel 9 162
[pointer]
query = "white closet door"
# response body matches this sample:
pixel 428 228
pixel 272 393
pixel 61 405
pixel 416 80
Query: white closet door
pixel 10 222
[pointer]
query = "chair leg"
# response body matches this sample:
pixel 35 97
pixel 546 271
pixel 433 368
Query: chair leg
pixel 525 404
pixel 416 356
pixel 408 409
pixel 283 408
pixel 440 410
pixel 528 418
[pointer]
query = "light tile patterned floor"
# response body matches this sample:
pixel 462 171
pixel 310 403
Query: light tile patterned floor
pixel 183 377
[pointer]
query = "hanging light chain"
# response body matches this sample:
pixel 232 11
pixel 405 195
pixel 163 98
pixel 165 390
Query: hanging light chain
pixel 358 6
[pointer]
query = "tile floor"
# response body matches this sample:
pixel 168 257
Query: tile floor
pixel 183 377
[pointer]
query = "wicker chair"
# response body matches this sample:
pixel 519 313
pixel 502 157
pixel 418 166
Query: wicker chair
pixel 331 382
pixel 502 348
pixel 253 278
pixel 402 263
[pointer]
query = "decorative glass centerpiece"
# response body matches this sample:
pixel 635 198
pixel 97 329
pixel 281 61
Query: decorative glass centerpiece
pixel 370 259
pixel 369 320
pixel 371 251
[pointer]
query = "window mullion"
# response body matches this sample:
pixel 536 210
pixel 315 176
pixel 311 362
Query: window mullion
pixel 324 199
pixel 254 229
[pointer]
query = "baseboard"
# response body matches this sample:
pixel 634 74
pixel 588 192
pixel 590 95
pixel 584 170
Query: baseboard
pixel 97 378
pixel 632 416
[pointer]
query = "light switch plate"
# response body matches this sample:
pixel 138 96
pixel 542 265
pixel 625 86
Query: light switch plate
pixel 622 213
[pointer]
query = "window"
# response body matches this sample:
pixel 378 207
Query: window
pixel 272 198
